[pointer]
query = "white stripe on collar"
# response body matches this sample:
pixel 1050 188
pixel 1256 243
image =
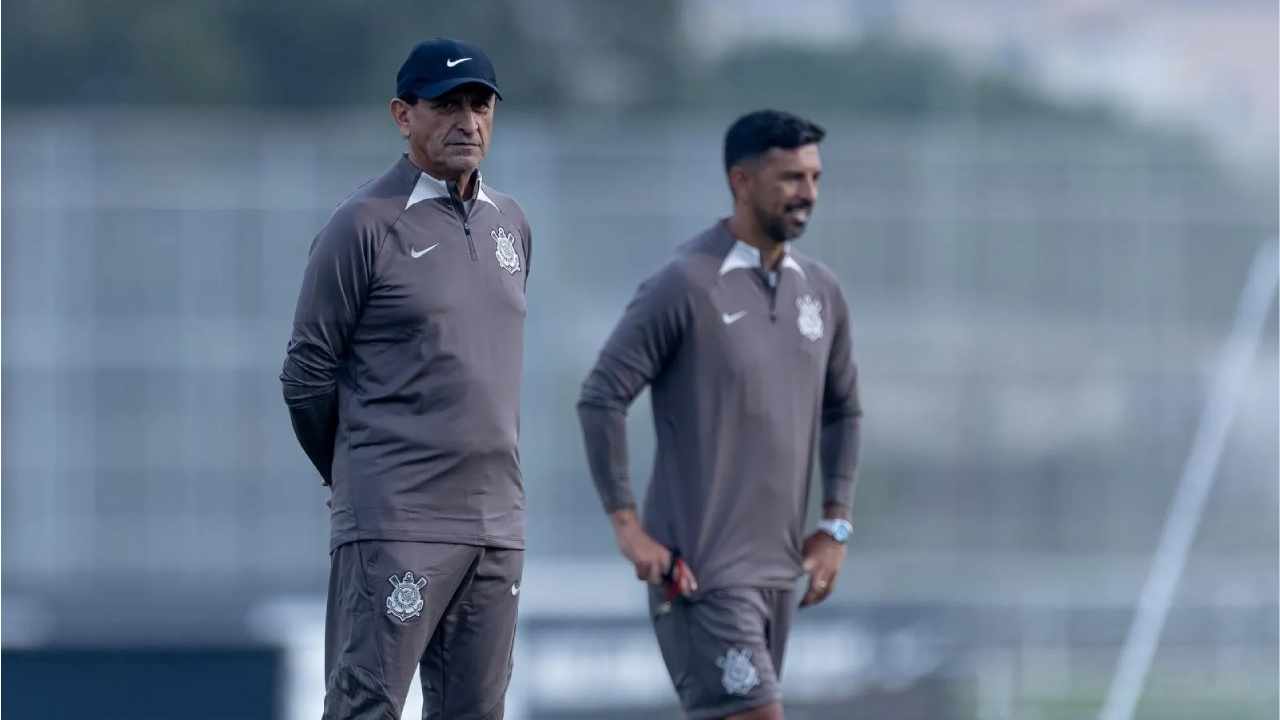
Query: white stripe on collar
pixel 429 188
pixel 482 197
pixel 743 256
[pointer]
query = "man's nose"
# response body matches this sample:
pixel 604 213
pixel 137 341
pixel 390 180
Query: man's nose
pixel 808 190
pixel 468 121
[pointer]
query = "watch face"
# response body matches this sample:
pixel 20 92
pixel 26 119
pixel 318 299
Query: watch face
pixel 838 530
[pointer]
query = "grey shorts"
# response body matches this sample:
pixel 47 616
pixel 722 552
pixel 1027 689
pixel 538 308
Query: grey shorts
pixel 445 611
pixel 724 651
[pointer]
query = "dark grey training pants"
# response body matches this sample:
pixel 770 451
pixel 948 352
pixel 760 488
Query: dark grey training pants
pixel 447 611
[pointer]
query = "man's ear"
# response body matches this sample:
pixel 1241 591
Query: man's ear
pixel 400 114
pixel 740 179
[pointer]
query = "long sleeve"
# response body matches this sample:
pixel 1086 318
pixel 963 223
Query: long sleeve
pixel 646 337
pixel 841 414
pixel 334 288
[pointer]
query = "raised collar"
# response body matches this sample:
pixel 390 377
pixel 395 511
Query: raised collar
pixel 429 188
pixel 742 256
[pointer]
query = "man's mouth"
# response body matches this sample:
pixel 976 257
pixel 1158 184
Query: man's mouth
pixel 799 213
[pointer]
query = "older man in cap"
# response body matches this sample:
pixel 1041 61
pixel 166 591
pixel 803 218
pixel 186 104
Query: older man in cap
pixel 403 383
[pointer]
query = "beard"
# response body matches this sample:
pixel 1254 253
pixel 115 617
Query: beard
pixel 780 227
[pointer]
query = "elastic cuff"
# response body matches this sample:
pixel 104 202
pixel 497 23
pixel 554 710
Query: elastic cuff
pixel 611 508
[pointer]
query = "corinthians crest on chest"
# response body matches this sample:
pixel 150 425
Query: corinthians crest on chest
pixel 505 249
pixel 809 317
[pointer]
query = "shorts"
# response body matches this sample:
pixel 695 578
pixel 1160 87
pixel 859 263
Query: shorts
pixel 724 651
pixel 445 611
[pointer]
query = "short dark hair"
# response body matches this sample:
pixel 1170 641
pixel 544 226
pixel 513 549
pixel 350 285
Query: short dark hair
pixel 756 133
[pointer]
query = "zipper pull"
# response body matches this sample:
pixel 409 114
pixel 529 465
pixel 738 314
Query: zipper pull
pixel 471 244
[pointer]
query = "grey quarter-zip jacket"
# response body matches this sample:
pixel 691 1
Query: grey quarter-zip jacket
pixel 402 376
pixel 749 371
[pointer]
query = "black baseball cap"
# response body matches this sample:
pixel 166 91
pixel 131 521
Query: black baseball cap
pixel 436 66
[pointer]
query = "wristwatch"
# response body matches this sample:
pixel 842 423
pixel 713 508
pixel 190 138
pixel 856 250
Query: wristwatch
pixel 838 528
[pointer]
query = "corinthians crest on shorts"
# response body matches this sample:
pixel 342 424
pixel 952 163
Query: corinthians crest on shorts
pixel 505 251
pixel 810 317
pixel 740 675
pixel 405 601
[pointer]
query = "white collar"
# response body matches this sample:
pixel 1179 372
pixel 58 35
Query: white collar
pixel 429 188
pixel 743 256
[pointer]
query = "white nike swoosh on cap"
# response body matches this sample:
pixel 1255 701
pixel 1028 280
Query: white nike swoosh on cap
pixel 452 63
pixel 419 253
pixel 731 318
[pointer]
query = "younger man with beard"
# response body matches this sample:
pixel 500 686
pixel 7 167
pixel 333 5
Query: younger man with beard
pixel 746 346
